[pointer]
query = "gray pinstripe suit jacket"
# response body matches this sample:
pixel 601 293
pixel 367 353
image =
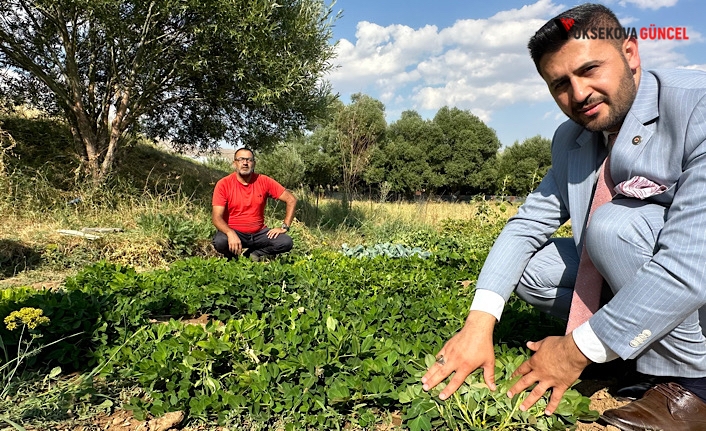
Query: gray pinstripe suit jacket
pixel 669 116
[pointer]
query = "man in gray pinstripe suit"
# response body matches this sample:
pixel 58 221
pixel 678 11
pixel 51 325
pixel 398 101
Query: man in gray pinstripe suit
pixel 648 243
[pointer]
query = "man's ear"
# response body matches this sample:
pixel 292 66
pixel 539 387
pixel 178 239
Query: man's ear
pixel 631 53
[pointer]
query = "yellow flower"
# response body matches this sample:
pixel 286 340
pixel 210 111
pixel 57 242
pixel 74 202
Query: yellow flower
pixel 32 317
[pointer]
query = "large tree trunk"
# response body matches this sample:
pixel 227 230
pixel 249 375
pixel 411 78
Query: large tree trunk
pixel 98 149
pixel 117 128
pixel 87 142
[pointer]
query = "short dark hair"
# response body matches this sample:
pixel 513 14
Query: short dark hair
pixel 552 36
pixel 243 149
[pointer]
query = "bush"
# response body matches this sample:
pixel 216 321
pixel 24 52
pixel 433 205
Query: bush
pixel 182 235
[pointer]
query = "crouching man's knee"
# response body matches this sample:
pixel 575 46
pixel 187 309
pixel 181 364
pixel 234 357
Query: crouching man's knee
pixel 284 244
pixel 220 243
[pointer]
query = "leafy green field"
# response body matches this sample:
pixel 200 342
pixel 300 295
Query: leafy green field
pixel 310 341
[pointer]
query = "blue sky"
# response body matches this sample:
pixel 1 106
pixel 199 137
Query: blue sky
pixel 425 54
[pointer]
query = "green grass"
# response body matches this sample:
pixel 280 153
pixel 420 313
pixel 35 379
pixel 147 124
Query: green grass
pixel 367 325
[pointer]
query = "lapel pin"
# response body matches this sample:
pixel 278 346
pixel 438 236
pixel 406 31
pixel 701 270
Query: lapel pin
pixel 636 140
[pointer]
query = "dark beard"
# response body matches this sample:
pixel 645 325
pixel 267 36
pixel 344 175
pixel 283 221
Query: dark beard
pixel 618 108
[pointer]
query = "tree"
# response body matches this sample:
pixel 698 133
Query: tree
pixel 404 160
pixel 465 150
pixel 193 72
pixel 522 166
pixel 284 164
pixel 360 125
pixel 320 153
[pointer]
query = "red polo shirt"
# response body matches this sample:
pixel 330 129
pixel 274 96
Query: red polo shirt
pixel 245 203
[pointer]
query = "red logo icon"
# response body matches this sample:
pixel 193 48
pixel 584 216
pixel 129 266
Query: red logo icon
pixel 567 23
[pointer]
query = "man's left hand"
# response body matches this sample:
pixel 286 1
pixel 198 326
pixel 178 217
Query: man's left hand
pixel 556 364
pixel 274 233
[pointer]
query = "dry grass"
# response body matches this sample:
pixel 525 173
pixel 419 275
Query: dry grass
pixel 154 196
pixel 35 253
pixel 431 213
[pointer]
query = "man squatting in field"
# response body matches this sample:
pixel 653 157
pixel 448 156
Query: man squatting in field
pixel 239 202
pixel 648 242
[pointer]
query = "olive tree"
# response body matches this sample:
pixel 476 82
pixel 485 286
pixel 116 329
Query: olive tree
pixel 193 72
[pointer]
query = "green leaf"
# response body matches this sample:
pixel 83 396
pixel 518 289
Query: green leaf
pixel 420 423
pixel 338 392
pixel 331 323
pixel 55 372
pixel 429 360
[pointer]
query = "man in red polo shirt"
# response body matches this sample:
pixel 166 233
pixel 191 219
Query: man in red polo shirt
pixel 239 212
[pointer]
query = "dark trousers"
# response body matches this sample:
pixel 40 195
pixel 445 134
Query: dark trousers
pixel 257 244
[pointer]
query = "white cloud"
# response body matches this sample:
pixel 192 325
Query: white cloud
pixel 627 21
pixel 649 4
pixel 543 8
pixel 466 94
pixel 475 63
pixel 667 53
pixel 478 64
pixel 382 52
pixel 554 115
pixel 491 34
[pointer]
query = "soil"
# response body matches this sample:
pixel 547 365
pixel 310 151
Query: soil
pixel 123 421
pixel 598 385
pixel 601 400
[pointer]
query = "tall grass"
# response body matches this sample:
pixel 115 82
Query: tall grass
pixel 156 229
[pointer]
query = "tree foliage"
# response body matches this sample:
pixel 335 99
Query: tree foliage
pixel 406 160
pixel 522 166
pixel 360 126
pixel 194 72
pixel 466 151
pixel 452 153
pixel 284 164
pixel 321 155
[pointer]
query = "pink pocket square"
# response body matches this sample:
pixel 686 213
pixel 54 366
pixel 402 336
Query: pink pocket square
pixel 639 187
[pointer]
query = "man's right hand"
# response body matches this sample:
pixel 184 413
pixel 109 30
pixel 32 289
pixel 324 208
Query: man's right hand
pixel 234 244
pixel 471 348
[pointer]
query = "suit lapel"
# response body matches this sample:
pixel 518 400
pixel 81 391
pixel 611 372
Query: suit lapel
pixel 582 172
pixel 637 129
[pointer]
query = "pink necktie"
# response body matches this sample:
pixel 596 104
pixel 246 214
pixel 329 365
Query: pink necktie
pixel 589 282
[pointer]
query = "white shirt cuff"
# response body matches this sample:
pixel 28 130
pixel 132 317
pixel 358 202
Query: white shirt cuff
pixel 591 346
pixel 488 301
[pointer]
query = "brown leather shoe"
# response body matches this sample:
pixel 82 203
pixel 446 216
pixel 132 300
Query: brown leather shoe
pixel 667 407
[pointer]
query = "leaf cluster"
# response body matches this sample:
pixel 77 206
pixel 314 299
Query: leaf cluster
pixel 522 166
pixel 181 234
pixel 475 407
